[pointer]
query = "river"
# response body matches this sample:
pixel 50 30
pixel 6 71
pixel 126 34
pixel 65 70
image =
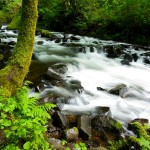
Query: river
pixel 87 62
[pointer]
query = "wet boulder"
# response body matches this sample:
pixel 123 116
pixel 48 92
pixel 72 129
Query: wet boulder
pixel 60 68
pixel 66 37
pixel 43 85
pixel 12 43
pixel 118 89
pixel 75 85
pixel 15 31
pixel 101 89
pixel 105 128
pixel 84 126
pixel 101 110
pixel 51 73
pixel 113 51
pixel 40 43
pixel 82 49
pixel 59 120
pixel 142 121
pixel 103 122
pixel 145 54
pixel 35 56
pixel 146 60
pixel 74 38
pixel 127 58
pixel 58 40
pixel 92 49
pixel 135 57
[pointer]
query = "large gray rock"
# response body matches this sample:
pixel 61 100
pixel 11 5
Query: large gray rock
pixel 59 120
pixel 53 74
pixel 84 126
pixel 102 122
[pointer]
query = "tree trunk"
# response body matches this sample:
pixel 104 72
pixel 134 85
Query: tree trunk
pixel 13 75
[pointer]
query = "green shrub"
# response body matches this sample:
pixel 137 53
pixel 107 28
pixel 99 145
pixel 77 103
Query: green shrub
pixel 23 122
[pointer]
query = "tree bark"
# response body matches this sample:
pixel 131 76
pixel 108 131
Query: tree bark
pixel 13 75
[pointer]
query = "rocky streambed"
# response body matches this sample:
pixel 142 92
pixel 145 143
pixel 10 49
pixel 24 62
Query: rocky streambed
pixel 95 84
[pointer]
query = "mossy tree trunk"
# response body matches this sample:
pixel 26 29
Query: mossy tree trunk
pixel 13 75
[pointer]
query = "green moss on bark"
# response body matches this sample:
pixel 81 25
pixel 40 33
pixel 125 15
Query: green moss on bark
pixel 12 76
pixel 9 11
pixel 15 23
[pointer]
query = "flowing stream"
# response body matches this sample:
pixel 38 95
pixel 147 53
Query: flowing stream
pixel 87 62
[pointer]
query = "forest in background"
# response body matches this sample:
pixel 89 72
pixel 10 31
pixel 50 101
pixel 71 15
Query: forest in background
pixel 126 20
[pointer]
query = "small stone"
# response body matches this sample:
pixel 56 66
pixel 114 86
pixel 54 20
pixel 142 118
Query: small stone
pixel 56 144
pixel 71 134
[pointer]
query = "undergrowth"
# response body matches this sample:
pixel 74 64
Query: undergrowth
pixel 23 121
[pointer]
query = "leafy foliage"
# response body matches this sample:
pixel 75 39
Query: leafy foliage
pixel 141 141
pixel 80 146
pixel 110 19
pixel 22 120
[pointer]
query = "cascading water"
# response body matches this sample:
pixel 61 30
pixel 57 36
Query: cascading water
pixel 94 69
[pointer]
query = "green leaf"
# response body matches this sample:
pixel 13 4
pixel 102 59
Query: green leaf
pixel 27 145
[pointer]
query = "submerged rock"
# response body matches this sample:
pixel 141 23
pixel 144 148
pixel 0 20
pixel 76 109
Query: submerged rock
pixel 39 42
pixel 146 60
pixel 75 38
pixel 113 51
pixel 127 58
pixel 74 84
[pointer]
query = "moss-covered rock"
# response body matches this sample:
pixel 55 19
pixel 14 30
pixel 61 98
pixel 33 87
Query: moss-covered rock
pixel 46 33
